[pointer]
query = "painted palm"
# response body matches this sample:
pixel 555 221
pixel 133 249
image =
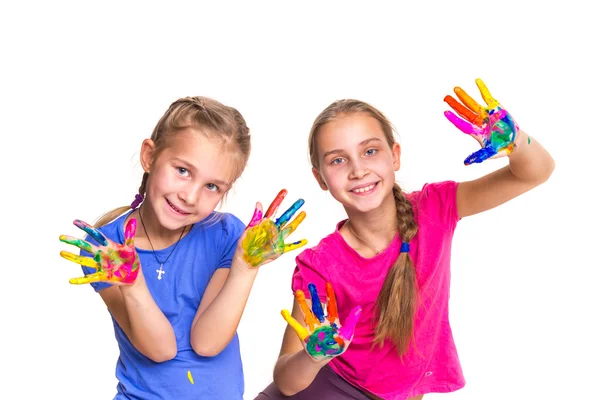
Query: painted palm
pixel 263 240
pixel 114 263
pixel 491 125
pixel 324 336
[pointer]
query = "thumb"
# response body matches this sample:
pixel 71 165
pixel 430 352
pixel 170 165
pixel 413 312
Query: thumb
pixel 347 330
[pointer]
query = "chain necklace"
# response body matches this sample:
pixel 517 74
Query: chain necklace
pixel 362 240
pixel 160 271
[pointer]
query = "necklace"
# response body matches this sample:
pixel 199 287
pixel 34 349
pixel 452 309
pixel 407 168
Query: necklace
pixel 362 240
pixel 159 271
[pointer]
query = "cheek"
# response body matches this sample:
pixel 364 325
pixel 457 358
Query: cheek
pixel 161 180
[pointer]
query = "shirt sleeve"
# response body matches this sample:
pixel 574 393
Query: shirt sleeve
pixel 308 271
pixel 437 201
pixel 232 231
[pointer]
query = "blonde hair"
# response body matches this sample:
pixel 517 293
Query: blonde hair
pixel 397 300
pixel 211 118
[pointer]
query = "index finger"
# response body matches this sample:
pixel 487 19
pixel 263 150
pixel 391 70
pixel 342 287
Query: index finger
pixel 485 94
pixel 93 232
pixel 309 318
pixel 286 216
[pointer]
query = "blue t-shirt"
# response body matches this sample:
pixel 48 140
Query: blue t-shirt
pixel 207 247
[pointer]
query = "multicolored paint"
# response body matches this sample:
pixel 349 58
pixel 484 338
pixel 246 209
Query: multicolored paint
pixel 263 240
pixel 492 126
pixel 325 336
pixel 113 262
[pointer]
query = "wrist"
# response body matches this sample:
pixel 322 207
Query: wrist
pixel 521 140
pixel 239 265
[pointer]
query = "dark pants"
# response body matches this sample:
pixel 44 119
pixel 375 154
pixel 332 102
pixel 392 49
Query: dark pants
pixel 327 385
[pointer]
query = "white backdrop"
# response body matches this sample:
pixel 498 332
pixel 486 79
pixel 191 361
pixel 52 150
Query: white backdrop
pixel 81 85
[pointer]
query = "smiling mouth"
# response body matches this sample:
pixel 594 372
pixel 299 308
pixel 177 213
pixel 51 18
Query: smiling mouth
pixel 365 189
pixel 177 210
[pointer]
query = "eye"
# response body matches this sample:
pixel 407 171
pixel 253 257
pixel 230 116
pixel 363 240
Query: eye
pixel 212 187
pixel 337 161
pixel 371 152
pixel 182 171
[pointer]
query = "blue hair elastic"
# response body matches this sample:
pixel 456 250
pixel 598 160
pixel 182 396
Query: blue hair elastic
pixel 405 248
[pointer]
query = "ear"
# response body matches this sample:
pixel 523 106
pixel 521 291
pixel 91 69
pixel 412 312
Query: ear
pixel 319 179
pixel 396 155
pixel 147 154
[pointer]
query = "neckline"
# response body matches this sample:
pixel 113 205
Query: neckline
pixel 121 228
pixel 395 242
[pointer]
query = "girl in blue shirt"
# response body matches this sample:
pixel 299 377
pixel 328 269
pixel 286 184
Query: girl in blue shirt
pixel 175 322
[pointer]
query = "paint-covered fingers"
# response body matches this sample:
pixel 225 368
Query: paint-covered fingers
pixel 317 307
pixel 295 245
pixel 309 318
pixel 291 227
pixel 486 95
pixel 81 260
pixel 256 217
pixel 469 102
pixel 130 229
pixel 301 331
pixel 95 277
pixel 332 312
pixel 286 216
pixel 82 244
pixel 464 112
pixel 276 203
pixel 93 232
pixel 480 155
pixel 461 124
pixel 346 332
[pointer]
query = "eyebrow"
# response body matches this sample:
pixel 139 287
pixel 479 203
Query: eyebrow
pixel 193 168
pixel 327 153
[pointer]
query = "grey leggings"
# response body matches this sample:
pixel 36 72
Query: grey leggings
pixel 327 385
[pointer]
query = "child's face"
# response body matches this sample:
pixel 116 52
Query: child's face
pixel 188 179
pixel 356 163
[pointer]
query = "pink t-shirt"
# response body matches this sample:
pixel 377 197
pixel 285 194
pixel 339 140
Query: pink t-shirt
pixel 431 364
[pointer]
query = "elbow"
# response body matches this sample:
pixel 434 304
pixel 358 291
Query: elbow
pixel 280 382
pixel 550 169
pixel 205 349
pixel 163 355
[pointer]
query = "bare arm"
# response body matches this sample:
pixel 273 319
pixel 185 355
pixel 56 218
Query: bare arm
pixel 136 312
pixel 295 369
pixel 221 308
pixel 529 166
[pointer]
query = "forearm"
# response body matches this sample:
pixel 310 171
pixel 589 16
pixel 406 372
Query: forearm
pixel 295 372
pixel 149 329
pixel 216 326
pixel 530 161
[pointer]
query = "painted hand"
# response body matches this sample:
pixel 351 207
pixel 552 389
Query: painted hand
pixel 262 241
pixel 492 126
pixel 114 263
pixel 325 336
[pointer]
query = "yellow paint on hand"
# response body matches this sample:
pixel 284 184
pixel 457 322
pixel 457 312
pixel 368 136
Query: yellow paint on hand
pixel 190 377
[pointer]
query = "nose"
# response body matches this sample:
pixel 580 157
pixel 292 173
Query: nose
pixel 190 194
pixel 357 169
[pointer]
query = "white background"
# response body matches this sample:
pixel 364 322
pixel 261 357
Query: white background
pixel 81 85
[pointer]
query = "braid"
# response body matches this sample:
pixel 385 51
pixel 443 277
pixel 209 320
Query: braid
pixel 397 299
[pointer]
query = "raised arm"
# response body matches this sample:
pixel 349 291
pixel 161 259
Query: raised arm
pixel 225 298
pixel 128 299
pixel 529 166
pixel 499 135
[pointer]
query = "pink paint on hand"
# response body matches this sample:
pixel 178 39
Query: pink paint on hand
pixel 347 330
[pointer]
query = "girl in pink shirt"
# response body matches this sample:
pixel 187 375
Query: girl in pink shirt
pixel 391 258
